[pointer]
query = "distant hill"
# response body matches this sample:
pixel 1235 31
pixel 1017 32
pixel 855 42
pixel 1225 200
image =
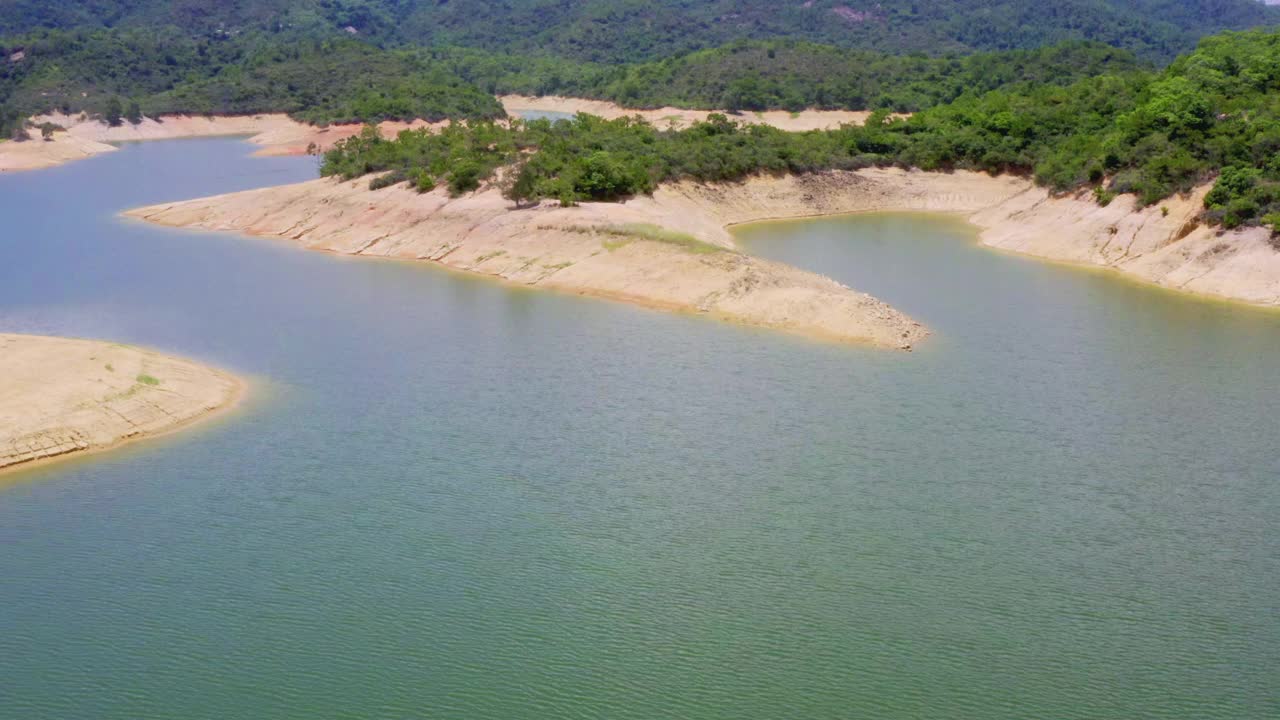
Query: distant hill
pixel 635 30
pixel 787 74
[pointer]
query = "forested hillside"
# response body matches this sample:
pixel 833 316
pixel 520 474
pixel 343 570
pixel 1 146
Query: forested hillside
pixel 367 60
pixel 791 75
pixel 318 81
pixel 1078 114
pixel 619 31
pixel 348 80
pixel 1215 112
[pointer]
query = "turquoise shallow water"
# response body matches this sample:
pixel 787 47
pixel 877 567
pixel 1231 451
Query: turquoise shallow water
pixel 451 498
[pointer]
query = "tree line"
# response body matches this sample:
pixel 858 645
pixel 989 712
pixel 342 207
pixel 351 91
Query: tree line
pixel 787 75
pixel 315 80
pixel 338 80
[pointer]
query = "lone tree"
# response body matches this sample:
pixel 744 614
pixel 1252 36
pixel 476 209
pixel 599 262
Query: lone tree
pixel 520 184
pixel 134 115
pixel 114 112
pixel 46 131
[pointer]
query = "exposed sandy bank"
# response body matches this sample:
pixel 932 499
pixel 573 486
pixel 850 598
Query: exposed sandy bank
pixel 662 117
pixel 1164 244
pixel 60 396
pixel 575 249
pixel 37 154
pixel 1170 249
pixel 583 250
pixel 83 138
pixel 276 134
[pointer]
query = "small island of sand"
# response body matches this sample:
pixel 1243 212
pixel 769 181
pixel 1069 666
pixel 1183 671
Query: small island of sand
pixel 61 397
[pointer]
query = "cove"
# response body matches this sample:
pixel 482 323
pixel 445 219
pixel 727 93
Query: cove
pixel 454 498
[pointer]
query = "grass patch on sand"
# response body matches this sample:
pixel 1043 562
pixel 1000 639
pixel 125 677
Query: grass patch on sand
pixel 626 233
pixel 146 379
pixel 646 231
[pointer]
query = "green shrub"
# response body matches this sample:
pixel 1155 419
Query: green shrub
pixel 465 177
pixel 423 181
pixel 387 180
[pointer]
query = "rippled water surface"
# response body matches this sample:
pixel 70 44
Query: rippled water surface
pixel 450 498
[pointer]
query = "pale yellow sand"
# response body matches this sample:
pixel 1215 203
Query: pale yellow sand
pixel 668 116
pixel 82 138
pixel 61 396
pixel 587 250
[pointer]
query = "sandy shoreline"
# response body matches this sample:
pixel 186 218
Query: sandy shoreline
pixel 589 249
pixel 63 397
pixel 580 249
pixel 680 117
pixel 277 134
pixel 1163 245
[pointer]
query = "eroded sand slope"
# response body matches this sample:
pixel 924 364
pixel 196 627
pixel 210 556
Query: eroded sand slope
pixel 60 396
pixel 1163 244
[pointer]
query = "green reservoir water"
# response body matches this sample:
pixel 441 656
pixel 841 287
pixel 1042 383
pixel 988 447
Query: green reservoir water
pixel 552 115
pixel 450 498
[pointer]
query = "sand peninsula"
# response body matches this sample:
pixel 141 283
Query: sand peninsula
pixel 62 397
pixel 673 250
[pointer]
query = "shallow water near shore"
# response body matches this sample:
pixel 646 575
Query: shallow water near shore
pixel 456 498
pixel 552 115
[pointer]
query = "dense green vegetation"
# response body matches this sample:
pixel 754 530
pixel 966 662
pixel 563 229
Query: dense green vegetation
pixel 342 80
pixel 1074 114
pixel 788 75
pixel 321 81
pixel 1153 134
pixel 331 81
pixel 348 60
pixel 1214 110
pixel 624 31
pixel 347 80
